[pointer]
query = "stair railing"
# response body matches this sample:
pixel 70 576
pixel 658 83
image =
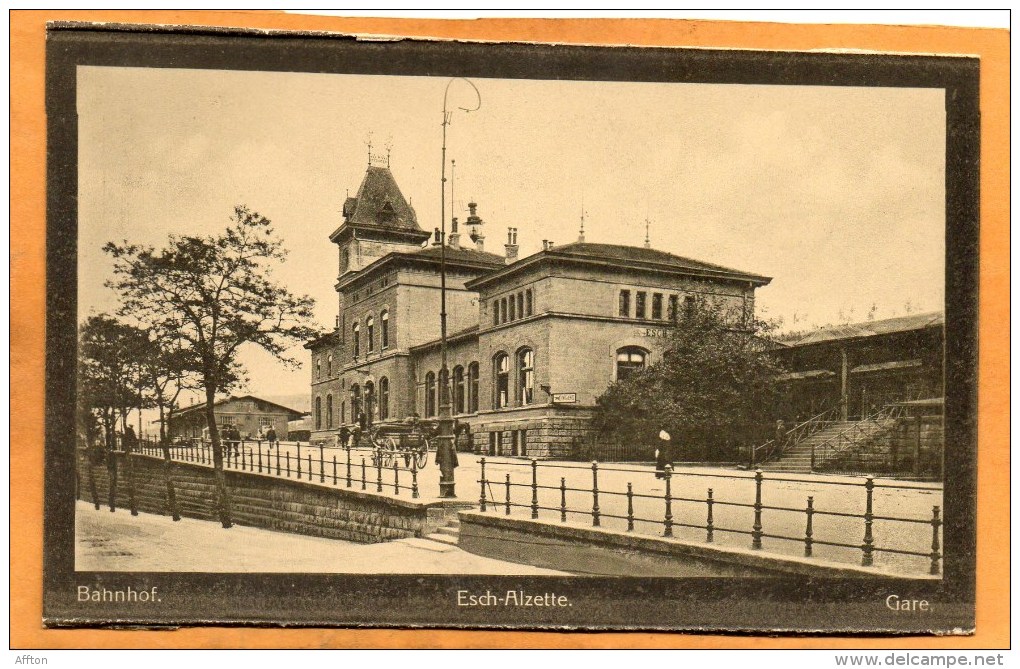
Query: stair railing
pixel 854 435
pixel 774 448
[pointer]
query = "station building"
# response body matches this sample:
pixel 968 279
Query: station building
pixel 532 342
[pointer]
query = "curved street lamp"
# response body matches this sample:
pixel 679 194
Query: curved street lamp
pixel 446 453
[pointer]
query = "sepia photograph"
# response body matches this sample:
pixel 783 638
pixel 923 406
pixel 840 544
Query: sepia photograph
pixel 509 335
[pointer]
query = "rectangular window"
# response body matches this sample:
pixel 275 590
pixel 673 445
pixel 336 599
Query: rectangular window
pixel 502 310
pixel 492 443
pixel 689 306
pixel 625 303
pixel 513 308
pixel 657 306
pixel 672 313
pixel 495 312
pixel 639 304
pixel 528 302
pixel 520 305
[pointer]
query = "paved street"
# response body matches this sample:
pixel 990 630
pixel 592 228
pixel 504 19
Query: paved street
pixel 839 494
pixel 121 542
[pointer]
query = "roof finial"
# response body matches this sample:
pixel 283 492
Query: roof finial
pixel 368 141
pixel 389 147
pixel 580 238
pixel 648 237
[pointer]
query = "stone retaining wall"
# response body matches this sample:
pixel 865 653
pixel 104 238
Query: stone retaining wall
pixel 266 502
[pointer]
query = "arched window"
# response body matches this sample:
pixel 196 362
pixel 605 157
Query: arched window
pixel 355 402
pixel 356 334
pixel 329 412
pixel 329 366
pixel 430 394
pixel 370 333
pixel 458 389
pixel 629 361
pixel 501 373
pixel 384 324
pixel 318 367
pixel 370 401
pixel 526 375
pixel 318 413
pixel 473 387
pixel 384 398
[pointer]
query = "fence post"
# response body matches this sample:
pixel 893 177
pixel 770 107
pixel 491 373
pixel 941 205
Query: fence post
pixel 287 454
pixel 322 474
pixel 534 488
pixel 396 478
pixel 935 555
pixel 364 483
pixel 414 479
pixel 277 458
pixel 812 457
pixel 481 497
pixel 298 459
pixel 709 526
pixel 348 449
pixel 563 499
pixel 595 516
pixel 334 469
pixel 630 507
pixel 756 528
pixel 508 493
pixel 259 443
pixel 808 532
pixel 868 546
pixel 309 465
pixel 668 520
pixel 378 473
pixel 132 502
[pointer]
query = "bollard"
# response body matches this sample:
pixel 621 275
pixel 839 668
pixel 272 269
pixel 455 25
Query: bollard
pixel 378 474
pixel 630 507
pixel 534 488
pixel 756 528
pixel 396 478
pixel 810 511
pixel 709 526
pixel 348 449
pixel 563 499
pixel 334 470
pixel 364 483
pixel 668 520
pixel 414 479
pixel 287 454
pixel 868 546
pixel 259 443
pixel 595 516
pixel 935 554
pixel 481 497
pixel 508 494
pixel 322 474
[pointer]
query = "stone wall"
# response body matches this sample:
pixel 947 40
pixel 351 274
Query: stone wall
pixel 911 446
pixel 266 502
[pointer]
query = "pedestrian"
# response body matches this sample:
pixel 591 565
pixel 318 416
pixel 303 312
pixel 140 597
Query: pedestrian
pixel 663 454
pixel 129 442
pixel 271 436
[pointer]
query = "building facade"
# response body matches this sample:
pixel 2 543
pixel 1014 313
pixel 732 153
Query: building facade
pixel 532 341
pixel 252 416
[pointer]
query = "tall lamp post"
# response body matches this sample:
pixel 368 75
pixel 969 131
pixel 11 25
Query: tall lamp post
pixel 445 449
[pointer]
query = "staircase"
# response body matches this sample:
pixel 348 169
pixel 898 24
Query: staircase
pixel 448 534
pixel 830 445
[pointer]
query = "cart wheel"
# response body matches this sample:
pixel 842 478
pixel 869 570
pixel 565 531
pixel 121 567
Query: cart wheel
pixel 421 457
pixel 389 451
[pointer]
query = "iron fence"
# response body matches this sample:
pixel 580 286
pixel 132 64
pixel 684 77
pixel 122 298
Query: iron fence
pixel 497 495
pixel 348 466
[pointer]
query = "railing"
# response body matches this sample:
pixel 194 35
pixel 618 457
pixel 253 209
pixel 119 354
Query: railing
pixel 497 495
pixel 775 448
pixel 356 467
pixel 856 434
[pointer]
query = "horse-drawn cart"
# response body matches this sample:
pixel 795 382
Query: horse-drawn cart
pixel 409 441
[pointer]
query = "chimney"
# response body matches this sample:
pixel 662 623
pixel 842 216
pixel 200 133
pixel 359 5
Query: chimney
pixel 438 239
pixel 547 245
pixel 475 222
pixel 453 239
pixel 511 245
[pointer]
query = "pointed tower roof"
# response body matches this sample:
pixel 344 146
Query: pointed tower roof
pixel 379 202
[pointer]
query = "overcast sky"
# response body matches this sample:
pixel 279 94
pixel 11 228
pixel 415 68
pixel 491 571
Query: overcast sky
pixel 837 193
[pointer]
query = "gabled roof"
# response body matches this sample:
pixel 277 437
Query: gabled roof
pixel 470 259
pixel 457 254
pixel 625 256
pixel 868 329
pixel 201 405
pixel 379 202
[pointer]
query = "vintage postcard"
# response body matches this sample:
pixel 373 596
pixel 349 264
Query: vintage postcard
pixel 458 334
